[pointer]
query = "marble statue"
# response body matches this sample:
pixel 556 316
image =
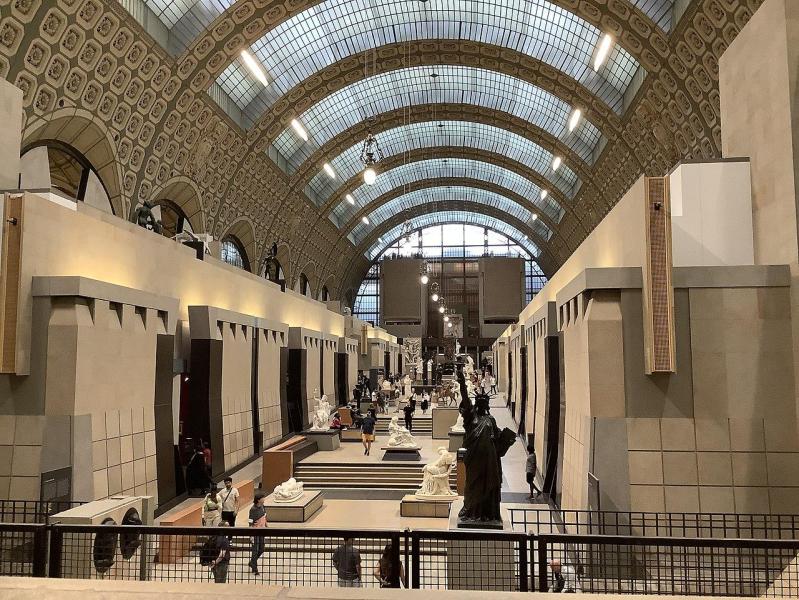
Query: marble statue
pixel 288 491
pixel 458 426
pixel 399 436
pixel 435 482
pixel 485 446
pixel 321 415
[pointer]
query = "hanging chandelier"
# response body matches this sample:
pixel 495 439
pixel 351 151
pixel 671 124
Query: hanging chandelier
pixel 423 276
pixel 371 154
pixel 434 292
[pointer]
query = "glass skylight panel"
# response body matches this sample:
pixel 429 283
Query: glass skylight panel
pixel 335 29
pixel 456 134
pixel 438 168
pixel 659 11
pixel 390 237
pixel 413 86
pixel 186 19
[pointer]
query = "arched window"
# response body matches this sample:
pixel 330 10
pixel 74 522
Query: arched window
pixel 233 253
pixel 273 271
pixel 304 287
pixel 70 173
pixel 173 219
pixel 324 295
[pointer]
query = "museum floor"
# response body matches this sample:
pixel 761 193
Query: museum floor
pixel 371 509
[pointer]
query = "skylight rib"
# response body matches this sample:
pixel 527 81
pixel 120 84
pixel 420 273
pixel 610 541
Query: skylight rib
pixel 436 168
pixel 335 29
pixel 454 133
pixel 412 86
pixel 437 218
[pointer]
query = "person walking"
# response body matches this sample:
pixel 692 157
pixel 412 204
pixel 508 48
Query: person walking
pixel 368 431
pixel 219 566
pixel 409 410
pixel 531 469
pixel 493 381
pixel 257 519
pixel 230 502
pixel 347 561
pixel 211 513
pixel 385 572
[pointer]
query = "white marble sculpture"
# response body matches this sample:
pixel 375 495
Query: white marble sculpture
pixel 288 491
pixel 321 415
pixel 435 482
pixel 458 426
pixel 399 436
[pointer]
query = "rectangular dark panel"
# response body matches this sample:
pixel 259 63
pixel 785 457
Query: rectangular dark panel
pixel 164 436
pixel 340 374
pixel 204 418
pixel 295 386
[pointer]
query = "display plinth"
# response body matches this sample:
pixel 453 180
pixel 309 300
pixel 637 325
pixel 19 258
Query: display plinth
pixel 411 506
pixel 325 440
pixel 298 511
pixel 351 435
pixel 443 420
pixel 409 454
pixel 492 571
pixel 456 440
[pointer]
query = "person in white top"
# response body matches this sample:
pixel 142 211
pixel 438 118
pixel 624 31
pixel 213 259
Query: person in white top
pixel 229 499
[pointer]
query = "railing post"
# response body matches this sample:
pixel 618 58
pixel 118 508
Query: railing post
pixel 415 555
pixel 395 554
pixel 524 575
pixel 542 564
pixel 56 549
pixel 407 552
pixel 40 551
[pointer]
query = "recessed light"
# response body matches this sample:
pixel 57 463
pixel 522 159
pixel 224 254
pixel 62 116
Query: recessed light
pixel 544 194
pixel 299 129
pixel 574 120
pixel 365 220
pixel 556 162
pixel 350 199
pixel 254 67
pixel 329 170
pixel 603 50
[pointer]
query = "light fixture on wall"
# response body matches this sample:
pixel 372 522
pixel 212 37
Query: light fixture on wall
pixel 371 154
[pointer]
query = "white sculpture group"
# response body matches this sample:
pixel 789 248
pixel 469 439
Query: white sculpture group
pixel 435 482
pixel 288 491
pixel 458 426
pixel 321 416
pixel 399 436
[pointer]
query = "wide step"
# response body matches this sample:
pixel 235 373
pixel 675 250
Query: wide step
pixel 334 476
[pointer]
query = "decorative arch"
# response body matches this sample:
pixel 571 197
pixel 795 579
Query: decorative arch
pixel 243 231
pixel 78 129
pixel 182 193
pixel 324 293
pixel 233 252
pixel 303 286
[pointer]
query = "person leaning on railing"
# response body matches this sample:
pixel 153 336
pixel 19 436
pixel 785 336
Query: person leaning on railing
pixel 385 572
pixel 219 565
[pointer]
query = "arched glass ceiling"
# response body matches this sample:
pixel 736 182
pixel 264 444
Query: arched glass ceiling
pixel 445 168
pixel 451 216
pixel 430 134
pixel 413 86
pixel 455 193
pixel 335 29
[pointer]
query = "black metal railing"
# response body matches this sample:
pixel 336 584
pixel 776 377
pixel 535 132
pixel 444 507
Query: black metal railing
pixel 652 524
pixel 32 511
pixel 424 559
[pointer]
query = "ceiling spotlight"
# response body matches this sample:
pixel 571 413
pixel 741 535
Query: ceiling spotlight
pixel 329 170
pixel 574 120
pixel 602 52
pixel 434 297
pixel 556 162
pixel 441 309
pixel 369 176
pixel 380 240
pixel 544 194
pixel 254 67
pixel 449 324
pixel 299 129
pixel 365 220
pixel 535 216
pixel 350 199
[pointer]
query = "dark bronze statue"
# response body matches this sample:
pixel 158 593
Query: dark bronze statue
pixel 145 217
pixel 485 446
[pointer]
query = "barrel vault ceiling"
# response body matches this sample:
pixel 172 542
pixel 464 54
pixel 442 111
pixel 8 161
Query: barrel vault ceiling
pixel 470 102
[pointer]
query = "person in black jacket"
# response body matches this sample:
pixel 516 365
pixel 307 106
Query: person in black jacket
pixel 257 519
pixel 219 565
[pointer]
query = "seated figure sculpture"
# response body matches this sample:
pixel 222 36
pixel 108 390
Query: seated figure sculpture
pixel 435 482
pixel 321 415
pixel 458 426
pixel 399 436
pixel 288 491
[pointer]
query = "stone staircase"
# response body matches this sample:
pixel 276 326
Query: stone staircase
pixel 386 476
pixel 421 425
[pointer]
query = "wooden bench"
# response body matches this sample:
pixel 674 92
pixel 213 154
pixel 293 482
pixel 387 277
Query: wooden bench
pixel 172 548
pixel 278 462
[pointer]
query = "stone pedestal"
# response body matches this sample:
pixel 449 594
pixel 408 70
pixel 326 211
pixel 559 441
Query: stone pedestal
pixel 496 568
pixel 401 454
pixel 350 435
pixel 411 506
pixel 325 440
pixel 298 511
pixel 443 419
pixel 455 441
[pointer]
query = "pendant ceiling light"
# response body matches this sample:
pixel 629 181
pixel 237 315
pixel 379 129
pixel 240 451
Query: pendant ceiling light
pixel 371 154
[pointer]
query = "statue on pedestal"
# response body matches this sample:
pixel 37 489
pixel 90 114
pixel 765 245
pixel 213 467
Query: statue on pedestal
pixel 400 437
pixel 435 482
pixel 288 491
pixel 485 446
pixel 458 426
pixel 321 415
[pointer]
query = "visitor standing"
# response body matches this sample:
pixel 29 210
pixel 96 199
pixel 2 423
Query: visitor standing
pixel 211 514
pixel 347 561
pixel 409 410
pixel 257 519
pixel 368 431
pixel 207 457
pixel 219 565
pixel 385 571
pixel 425 403
pixel 531 469
pixel 230 502
pixel 565 579
pixel 493 381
